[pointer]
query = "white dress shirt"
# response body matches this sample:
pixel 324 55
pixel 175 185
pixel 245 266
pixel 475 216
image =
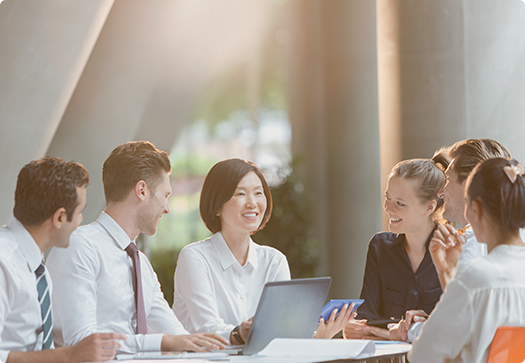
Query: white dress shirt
pixel 94 290
pixel 214 293
pixel 486 294
pixel 471 248
pixel 20 315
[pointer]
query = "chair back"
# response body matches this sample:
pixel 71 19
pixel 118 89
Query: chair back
pixel 508 345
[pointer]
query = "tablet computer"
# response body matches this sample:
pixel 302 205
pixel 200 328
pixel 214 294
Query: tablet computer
pixel 338 304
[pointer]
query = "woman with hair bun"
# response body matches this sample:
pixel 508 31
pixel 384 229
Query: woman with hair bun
pixel 219 281
pixel 399 273
pixel 488 292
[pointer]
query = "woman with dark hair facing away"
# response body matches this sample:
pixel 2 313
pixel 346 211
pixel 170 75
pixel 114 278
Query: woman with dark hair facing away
pixel 399 273
pixel 219 281
pixel 488 292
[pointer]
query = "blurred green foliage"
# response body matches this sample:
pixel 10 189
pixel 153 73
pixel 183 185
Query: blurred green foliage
pixel 164 263
pixel 190 165
pixel 290 228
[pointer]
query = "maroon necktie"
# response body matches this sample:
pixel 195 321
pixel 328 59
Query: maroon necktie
pixel 142 325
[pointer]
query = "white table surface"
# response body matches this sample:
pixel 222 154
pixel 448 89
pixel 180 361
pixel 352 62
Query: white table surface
pixel 381 350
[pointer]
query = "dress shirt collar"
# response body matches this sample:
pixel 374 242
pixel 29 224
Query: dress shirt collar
pixel 469 233
pixel 226 256
pixel 116 232
pixel 26 243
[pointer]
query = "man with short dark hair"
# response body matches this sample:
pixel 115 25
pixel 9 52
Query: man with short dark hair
pixel 49 199
pixel 108 284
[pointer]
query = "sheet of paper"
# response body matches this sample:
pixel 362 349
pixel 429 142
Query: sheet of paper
pixel 326 348
pixel 387 349
pixel 384 342
pixel 184 356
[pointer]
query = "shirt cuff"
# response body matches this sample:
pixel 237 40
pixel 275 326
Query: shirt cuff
pixel 226 335
pixel 3 355
pixel 152 342
pixel 414 331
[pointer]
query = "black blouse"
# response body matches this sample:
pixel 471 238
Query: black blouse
pixel 390 286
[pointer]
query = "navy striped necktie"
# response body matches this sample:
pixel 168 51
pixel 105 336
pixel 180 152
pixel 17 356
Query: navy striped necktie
pixel 45 306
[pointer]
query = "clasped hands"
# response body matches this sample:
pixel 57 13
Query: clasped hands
pixel 357 329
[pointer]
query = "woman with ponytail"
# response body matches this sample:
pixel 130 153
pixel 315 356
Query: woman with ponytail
pixel 399 272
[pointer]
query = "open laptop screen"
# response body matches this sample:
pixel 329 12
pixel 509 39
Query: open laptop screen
pixel 287 309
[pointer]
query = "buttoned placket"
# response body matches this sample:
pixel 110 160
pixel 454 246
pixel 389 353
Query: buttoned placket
pixel 241 283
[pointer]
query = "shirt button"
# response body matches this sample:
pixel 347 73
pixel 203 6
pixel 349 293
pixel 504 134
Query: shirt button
pixel 240 275
pixel 242 297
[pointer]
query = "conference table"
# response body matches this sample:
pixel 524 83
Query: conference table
pixel 391 353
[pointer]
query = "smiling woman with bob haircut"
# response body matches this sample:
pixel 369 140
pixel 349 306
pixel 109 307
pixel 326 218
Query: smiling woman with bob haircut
pixel 219 281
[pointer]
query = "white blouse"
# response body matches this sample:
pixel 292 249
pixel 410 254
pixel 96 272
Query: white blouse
pixel 486 294
pixel 214 293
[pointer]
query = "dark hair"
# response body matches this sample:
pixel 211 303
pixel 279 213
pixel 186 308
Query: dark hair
pixel 430 179
pixel 130 163
pixel 46 185
pixel 469 153
pixel 503 200
pixel 219 186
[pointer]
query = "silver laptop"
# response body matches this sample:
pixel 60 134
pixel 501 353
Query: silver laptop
pixel 287 309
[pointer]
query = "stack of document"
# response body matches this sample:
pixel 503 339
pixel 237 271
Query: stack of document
pixel 319 348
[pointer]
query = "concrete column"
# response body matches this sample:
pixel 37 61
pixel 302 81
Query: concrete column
pixel 305 83
pixel 421 79
pixel 448 71
pixel 495 72
pixel 44 48
pixel 147 69
pixel 333 108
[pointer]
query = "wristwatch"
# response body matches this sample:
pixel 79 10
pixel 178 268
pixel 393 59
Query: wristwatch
pixel 237 335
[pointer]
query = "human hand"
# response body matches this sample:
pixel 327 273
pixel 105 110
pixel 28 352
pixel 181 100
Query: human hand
pixel 445 248
pixel 375 333
pixel 357 329
pixel 98 347
pixel 400 330
pixel 245 328
pixel 326 330
pixel 200 342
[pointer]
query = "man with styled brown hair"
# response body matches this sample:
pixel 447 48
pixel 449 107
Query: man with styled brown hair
pixel 108 284
pixel 464 156
pixel 50 196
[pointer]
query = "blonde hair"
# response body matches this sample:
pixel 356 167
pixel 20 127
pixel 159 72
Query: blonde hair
pixel 429 178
